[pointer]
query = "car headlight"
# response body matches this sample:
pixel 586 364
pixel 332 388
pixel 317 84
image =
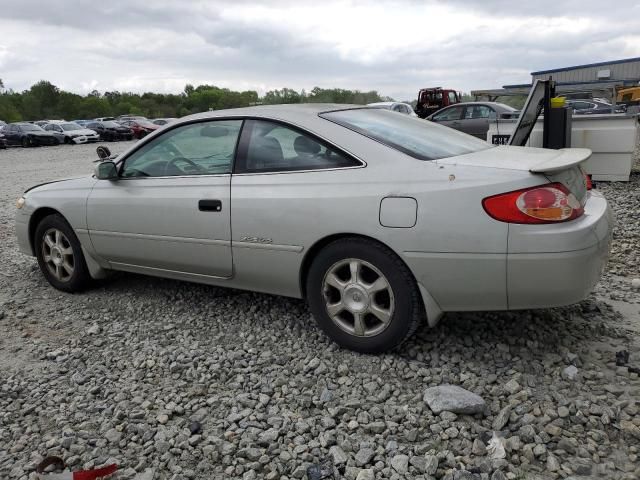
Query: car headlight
pixel 20 202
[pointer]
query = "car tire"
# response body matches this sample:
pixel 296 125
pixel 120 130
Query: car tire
pixel 26 143
pixel 344 308
pixel 60 255
pixel 67 141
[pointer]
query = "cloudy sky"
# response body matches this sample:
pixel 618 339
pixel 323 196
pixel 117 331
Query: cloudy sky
pixel 392 46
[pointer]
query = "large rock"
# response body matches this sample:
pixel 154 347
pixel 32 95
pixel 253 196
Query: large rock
pixel 502 418
pixel 364 456
pixel 400 464
pixel 339 457
pixel 366 474
pixel 454 399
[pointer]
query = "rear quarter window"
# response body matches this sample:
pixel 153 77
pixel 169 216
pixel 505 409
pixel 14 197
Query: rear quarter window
pixel 416 137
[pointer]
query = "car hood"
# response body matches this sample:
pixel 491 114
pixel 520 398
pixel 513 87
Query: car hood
pixel 64 184
pixel 536 160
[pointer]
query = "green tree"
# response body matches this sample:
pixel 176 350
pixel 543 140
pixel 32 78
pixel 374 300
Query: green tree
pixel 44 100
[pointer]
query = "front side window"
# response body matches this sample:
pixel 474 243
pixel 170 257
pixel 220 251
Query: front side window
pixel 273 147
pixel 477 111
pixel 205 148
pixel 410 135
pixel 449 114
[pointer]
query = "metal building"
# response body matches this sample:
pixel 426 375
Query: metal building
pixel 626 71
pixel 601 79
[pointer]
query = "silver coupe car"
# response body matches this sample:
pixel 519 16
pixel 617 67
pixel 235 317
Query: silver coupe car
pixel 378 220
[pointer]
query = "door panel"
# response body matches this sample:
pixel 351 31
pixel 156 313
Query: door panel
pixel 476 120
pixel 170 208
pixel 157 223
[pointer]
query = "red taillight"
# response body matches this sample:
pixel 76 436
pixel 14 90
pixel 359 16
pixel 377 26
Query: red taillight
pixel 588 181
pixel 550 203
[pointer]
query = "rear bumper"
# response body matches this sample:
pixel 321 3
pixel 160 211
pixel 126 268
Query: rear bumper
pixel 555 265
pixel 545 266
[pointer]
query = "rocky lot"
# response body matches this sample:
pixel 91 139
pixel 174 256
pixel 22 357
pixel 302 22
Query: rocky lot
pixel 172 380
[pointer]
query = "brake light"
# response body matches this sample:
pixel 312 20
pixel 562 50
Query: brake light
pixel 550 203
pixel 588 181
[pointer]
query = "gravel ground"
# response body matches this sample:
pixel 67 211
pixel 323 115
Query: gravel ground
pixel 183 381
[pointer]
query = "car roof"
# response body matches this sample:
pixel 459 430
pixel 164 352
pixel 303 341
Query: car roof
pixel 298 109
pixel 496 105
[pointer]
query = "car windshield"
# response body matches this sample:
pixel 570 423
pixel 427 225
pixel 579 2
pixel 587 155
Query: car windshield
pixel 29 127
pixel 418 138
pixel 70 126
pixel 111 124
pixel 145 123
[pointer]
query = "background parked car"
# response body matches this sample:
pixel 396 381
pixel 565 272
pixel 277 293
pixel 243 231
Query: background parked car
pixel 141 128
pixel 124 118
pixel 162 121
pixel 3 140
pixel 28 135
pixel 473 117
pixel 591 106
pixel 103 119
pixel 111 131
pixel 395 106
pixel 69 132
pixel 83 123
pixel 2 124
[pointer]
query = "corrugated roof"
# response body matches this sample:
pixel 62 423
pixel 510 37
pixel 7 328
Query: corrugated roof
pixel 588 65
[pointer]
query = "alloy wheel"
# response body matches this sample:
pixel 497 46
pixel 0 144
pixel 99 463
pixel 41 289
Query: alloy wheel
pixel 57 254
pixel 358 297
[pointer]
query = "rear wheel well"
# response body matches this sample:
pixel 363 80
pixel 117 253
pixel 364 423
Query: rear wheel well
pixel 35 219
pixel 320 244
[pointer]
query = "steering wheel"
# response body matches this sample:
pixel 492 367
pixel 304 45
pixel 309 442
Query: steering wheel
pixel 173 161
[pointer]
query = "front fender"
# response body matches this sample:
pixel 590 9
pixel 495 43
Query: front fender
pixel 66 197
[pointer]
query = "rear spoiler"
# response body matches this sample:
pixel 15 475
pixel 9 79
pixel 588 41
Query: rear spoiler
pixel 566 158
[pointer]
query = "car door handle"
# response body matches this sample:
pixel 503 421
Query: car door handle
pixel 209 205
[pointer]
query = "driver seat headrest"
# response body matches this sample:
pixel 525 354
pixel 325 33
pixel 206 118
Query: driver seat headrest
pixel 305 146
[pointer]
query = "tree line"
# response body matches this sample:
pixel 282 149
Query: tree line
pixel 46 101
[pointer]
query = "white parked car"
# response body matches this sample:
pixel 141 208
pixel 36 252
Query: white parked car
pixel 380 221
pixel 395 107
pixel 69 132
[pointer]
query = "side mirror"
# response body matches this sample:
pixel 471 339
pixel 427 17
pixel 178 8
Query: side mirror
pixel 106 170
pixel 103 152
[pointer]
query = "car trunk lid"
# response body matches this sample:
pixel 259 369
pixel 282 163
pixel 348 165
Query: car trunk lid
pixel 556 165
